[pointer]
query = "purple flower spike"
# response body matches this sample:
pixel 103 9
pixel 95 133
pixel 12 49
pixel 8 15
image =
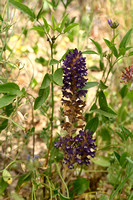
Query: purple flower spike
pixel 74 70
pixel 77 146
pixel 113 25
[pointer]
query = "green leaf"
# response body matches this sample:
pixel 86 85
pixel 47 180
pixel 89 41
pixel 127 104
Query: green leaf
pixel 126 133
pixel 117 156
pixel 97 45
pixel 46 24
pixel 130 196
pixel 33 83
pixel 105 134
pixel 80 185
pixel 39 29
pixel 92 124
pixel 6 176
pixel 63 21
pixel 101 64
pixel 70 26
pixel 46 81
pixel 43 95
pixel 122 51
pixel 102 101
pixel 112 47
pixel 89 85
pixel 25 9
pixel 6 100
pixel 130 53
pixel 104 113
pixel 39 13
pixel 124 90
pixel 42 61
pixel 101 161
pixel 125 39
pixel 102 86
pixel 3 186
pixel 10 88
pixel 23 178
pixel 53 21
pixel 123 159
pixel 57 77
pixel 3 125
pixel 53 62
pixel 89 52
pixel 1 19
pixel 103 197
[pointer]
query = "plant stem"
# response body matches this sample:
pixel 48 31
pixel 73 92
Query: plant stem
pixel 52 114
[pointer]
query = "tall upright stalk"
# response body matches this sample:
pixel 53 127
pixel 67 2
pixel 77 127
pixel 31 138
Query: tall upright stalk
pixel 51 42
pixel 52 114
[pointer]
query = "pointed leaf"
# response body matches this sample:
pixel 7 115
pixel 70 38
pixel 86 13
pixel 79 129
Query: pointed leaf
pixel 97 45
pixel 46 81
pixel 10 88
pixel 58 76
pixel 125 39
pixel 25 9
pixel 70 26
pixel 6 100
pixel 46 25
pixel 102 85
pixel 89 52
pixel 80 185
pixel 43 95
pixel 23 178
pixel 104 113
pixel 92 124
pixel 89 85
pixel 53 62
pixel 63 21
pixel 102 101
pixel 102 161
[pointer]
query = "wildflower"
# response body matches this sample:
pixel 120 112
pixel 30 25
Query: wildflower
pixel 28 158
pixel 75 71
pixel 127 76
pixel 113 25
pixel 77 147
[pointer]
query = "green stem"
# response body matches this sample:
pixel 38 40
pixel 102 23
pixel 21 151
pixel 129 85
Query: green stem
pixel 52 114
pixel 1 116
pixel 58 170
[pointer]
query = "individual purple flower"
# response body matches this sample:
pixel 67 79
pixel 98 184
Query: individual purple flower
pixel 113 25
pixel 77 149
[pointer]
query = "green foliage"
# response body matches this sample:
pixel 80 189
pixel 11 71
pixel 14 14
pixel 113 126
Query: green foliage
pixel 43 95
pixel 80 185
pixel 112 130
pixel 25 9
pixel 57 77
